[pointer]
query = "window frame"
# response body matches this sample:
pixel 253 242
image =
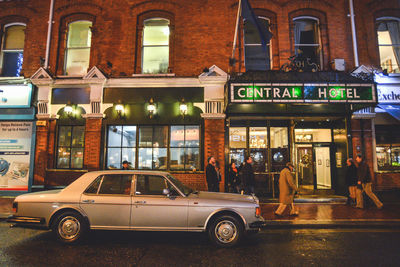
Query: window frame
pixel 319 45
pixel 70 147
pixel 3 43
pixel 101 183
pixel 378 21
pixel 389 167
pixel 270 46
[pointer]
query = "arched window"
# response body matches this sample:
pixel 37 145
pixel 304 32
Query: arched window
pixel 255 57
pixel 155 46
pixel 388 31
pixel 307 43
pixel 77 53
pixel 12 50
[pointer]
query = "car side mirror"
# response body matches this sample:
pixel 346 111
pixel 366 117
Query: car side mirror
pixel 166 192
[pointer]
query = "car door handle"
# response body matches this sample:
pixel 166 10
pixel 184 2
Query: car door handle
pixel 140 202
pixel 88 201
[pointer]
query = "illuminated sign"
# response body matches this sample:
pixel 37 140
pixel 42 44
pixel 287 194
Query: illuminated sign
pixel 388 93
pixel 298 92
pixel 15 96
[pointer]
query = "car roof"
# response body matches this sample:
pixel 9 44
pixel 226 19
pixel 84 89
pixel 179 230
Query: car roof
pixel 130 172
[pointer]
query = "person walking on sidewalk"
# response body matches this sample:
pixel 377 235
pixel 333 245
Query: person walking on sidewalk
pixel 248 176
pixel 287 189
pixel 212 176
pixel 364 184
pixel 351 181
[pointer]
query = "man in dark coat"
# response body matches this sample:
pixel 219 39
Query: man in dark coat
pixel 248 176
pixel 364 184
pixel 287 190
pixel 212 176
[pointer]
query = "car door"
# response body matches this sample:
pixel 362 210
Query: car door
pixel 153 210
pixel 107 201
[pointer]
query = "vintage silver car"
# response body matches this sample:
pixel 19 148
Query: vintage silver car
pixel 138 200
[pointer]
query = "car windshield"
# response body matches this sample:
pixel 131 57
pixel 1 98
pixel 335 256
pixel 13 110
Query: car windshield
pixel 183 188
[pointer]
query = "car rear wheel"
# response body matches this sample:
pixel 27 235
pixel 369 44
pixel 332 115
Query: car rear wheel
pixel 225 231
pixel 69 227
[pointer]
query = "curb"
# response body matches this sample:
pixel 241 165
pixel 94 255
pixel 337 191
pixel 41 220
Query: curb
pixel 353 223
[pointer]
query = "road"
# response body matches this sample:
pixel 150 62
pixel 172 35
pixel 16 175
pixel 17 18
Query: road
pixel 275 247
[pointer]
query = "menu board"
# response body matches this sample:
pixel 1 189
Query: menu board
pixel 15 155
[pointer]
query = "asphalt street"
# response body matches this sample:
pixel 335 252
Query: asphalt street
pixel 275 247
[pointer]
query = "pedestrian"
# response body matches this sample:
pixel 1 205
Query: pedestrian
pixel 212 176
pixel 126 165
pixel 218 170
pixel 248 176
pixel 351 181
pixel 364 184
pixel 287 190
pixel 233 178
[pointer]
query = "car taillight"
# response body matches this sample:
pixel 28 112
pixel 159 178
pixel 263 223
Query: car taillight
pixel 15 207
pixel 258 211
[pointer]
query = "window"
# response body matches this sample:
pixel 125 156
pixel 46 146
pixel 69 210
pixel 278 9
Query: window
pixel 12 50
pixel 185 148
pixel 150 185
pixel 94 186
pixel 306 40
pixel 389 44
pixel 70 147
pixel 255 57
pixel 155 47
pixel 116 184
pixel 77 53
pixel 388 157
pixel 154 147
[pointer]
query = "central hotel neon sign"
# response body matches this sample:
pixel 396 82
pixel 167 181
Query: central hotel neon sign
pixel 342 93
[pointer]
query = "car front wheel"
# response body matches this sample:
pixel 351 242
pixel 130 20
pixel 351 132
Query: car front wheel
pixel 69 227
pixel 225 231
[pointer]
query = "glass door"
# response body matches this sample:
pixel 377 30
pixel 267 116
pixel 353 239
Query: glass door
pixel 323 167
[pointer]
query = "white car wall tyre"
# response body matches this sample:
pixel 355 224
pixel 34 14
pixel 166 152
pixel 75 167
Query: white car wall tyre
pixel 225 231
pixel 70 227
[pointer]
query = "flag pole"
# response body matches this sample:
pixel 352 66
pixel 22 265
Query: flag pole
pixel 236 29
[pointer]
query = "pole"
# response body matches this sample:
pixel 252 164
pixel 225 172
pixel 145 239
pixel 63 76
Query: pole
pixel 353 33
pixel 50 22
pixel 236 29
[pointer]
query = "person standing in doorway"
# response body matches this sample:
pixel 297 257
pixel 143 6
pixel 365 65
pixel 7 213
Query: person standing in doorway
pixel 364 184
pixel 248 176
pixel 212 176
pixel 287 189
pixel 351 181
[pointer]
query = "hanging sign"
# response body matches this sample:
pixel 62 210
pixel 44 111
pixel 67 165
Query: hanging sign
pixel 15 96
pixel 281 93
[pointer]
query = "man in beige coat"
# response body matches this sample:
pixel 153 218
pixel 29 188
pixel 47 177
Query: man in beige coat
pixel 287 189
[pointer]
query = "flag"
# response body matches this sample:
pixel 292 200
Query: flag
pixel 248 15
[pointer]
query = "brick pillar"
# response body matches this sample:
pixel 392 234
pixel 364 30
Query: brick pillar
pixel 214 145
pixel 92 143
pixel 361 132
pixel 39 173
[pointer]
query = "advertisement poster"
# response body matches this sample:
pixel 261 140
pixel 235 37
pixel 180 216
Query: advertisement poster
pixel 15 153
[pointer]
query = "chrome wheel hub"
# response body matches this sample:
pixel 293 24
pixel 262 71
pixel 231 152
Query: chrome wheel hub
pixel 69 227
pixel 225 231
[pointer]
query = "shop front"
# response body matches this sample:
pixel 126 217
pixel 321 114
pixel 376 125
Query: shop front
pixel 300 119
pixel 17 132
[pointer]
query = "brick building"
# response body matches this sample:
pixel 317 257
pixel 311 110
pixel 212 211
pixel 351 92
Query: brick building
pixel 153 84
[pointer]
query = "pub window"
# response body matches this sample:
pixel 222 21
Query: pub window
pixel 255 58
pixel 12 50
pixel 237 144
pixel 153 143
pixel 389 44
pixel 388 157
pixel 185 148
pixel 307 40
pixel 77 53
pixel 155 46
pixel 121 146
pixel 70 147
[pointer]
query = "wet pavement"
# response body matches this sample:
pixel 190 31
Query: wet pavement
pixel 279 247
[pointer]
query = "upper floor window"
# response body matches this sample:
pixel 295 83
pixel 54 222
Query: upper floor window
pixel 155 47
pixel 12 50
pixel 307 39
pixel 255 57
pixel 77 53
pixel 389 44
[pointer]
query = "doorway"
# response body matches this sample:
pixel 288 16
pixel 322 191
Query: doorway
pixel 323 167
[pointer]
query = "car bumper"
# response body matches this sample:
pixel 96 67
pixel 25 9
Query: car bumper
pixel 26 220
pixel 258 224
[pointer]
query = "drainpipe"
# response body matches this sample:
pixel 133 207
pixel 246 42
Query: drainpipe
pixel 353 33
pixel 50 22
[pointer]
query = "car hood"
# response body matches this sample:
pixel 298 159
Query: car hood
pixel 226 196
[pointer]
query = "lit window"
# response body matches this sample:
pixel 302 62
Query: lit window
pixel 70 147
pixel 389 44
pixel 185 148
pixel 155 48
pixel 255 56
pixel 306 40
pixel 12 52
pixel 77 53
